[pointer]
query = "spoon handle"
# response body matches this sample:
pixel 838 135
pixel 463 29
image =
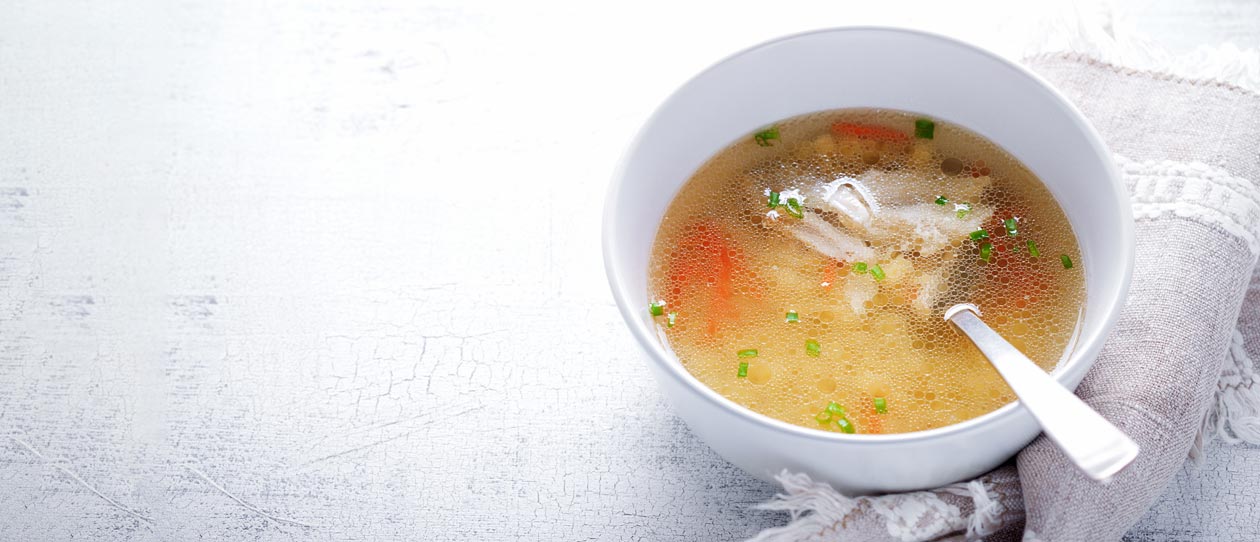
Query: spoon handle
pixel 1096 446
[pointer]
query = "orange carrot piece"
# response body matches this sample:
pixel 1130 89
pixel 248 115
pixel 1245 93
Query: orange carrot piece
pixel 705 262
pixel 868 131
pixel 829 274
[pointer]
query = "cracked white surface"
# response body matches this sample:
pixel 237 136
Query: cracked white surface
pixel 305 271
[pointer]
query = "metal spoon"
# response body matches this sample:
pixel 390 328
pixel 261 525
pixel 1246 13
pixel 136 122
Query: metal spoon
pixel 1096 446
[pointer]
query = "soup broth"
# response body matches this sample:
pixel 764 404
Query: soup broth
pixel 803 271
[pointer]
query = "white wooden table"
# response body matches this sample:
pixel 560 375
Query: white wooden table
pixel 311 271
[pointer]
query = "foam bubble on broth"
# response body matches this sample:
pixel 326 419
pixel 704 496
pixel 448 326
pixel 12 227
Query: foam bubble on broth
pixel 730 268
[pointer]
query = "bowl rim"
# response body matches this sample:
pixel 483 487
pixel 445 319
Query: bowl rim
pixel 1067 371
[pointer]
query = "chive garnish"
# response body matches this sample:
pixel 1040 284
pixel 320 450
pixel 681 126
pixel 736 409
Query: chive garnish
pixel 845 425
pixel 794 208
pixel 749 353
pixel 673 317
pixel 657 308
pixel 1067 262
pixel 1032 249
pixel 773 201
pixel 743 370
pixel 859 267
pixel 877 272
pixel 1011 230
pixel 986 251
pixel 763 137
pixel 793 317
pixel 963 209
pixel 881 406
pixel 812 348
pixel 941 200
pixel 924 128
pixel 834 413
pixel 979 234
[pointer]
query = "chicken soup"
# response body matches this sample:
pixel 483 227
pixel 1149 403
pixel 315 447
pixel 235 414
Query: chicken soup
pixel 803 271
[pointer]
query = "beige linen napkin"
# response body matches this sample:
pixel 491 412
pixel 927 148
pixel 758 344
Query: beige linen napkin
pixel 1176 369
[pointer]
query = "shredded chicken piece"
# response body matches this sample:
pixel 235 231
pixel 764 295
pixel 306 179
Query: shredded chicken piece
pixel 858 292
pixel 929 287
pixel 936 227
pixel 901 188
pixel 854 203
pixel 888 213
pixel 830 240
pixel 882 208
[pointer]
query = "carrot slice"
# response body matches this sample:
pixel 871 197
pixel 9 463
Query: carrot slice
pixel 829 273
pixel 705 266
pixel 868 131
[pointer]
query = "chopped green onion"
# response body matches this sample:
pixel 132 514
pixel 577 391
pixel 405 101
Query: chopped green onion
pixel 1032 249
pixel 743 370
pixel 979 234
pixel 845 425
pixel 774 200
pixel 763 137
pixel 877 272
pixel 1067 262
pixel 812 348
pixel 986 251
pixel 941 200
pixel 1011 230
pixel 881 406
pixel 835 408
pixel 859 267
pixel 963 209
pixel 823 418
pixel 749 353
pixel 673 317
pixel 924 128
pixel 657 308
pixel 792 317
pixel 794 208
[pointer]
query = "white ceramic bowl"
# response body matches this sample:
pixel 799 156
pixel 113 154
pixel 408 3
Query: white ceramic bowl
pixel 880 68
